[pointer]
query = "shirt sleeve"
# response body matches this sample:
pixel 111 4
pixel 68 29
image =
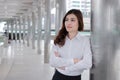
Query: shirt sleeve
pixel 58 61
pixel 86 62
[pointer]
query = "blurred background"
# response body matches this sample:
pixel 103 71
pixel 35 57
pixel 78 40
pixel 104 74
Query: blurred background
pixel 28 28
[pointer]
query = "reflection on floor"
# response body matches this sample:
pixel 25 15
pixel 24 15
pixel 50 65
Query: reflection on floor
pixel 19 62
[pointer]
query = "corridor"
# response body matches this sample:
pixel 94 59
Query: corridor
pixel 20 62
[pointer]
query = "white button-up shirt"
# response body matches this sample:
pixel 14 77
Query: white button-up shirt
pixel 78 47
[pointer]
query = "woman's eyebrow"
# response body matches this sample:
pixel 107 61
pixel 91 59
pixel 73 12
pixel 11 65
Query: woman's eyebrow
pixel 70 18
pixel 73 18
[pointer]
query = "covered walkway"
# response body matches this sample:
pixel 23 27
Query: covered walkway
pixel 19 62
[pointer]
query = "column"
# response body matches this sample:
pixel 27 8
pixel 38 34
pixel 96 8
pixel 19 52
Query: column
pixel 12 25
pixel 24 27
pixel 105 39
pixel 60 12
pixel 47 31
pixel 19 29
pixel 28 30
pixel 16 26
pixel 39 38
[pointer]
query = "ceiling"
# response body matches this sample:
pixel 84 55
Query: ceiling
pixel 13 8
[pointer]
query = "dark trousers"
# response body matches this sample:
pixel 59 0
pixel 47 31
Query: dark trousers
pixel 59 76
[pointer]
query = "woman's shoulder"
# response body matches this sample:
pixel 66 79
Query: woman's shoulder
pixel 83 36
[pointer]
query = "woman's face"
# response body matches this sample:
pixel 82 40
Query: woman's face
pixel 71 23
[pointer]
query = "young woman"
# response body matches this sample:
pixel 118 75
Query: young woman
pixel 71 53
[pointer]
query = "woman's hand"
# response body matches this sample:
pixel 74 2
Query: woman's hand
pixel 76 60
pixel 62 68
pixel 58 55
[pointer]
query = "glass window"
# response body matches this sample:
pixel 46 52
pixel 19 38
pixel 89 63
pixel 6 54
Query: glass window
pixel 85 7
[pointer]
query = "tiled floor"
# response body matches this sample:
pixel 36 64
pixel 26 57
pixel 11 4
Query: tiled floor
pixel 19 62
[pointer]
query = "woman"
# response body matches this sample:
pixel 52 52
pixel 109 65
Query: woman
pixel 71 53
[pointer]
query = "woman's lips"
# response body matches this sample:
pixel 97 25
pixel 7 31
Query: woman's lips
pixel 69 27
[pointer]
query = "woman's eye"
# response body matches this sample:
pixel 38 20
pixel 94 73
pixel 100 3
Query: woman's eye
pixel 72 20
pixel 69 19
pixel 66 19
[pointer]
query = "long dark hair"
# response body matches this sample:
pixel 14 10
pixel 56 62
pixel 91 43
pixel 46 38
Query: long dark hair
pixel 60 38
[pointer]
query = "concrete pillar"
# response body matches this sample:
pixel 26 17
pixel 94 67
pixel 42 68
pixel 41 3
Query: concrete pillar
pixel 20 29
pixel 28 30
pixel 8 25
pixel 12 26
pixel 33 30
pixel 105 21
pixel 16 26
pixel 39 26
pixel 60 12
pixel 24 27
pixel 47 31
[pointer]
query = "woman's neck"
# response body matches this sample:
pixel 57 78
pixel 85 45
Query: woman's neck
pixel 71 35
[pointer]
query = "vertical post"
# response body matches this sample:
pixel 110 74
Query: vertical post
pixel 39 27
pixel 60 12
pixel 33 30
pixel 105 39
pixel 47 31
pixel 8 24
pixel 16 26
pixel 12 25
pixel 20 29
pixel 24 28
pixel 28 30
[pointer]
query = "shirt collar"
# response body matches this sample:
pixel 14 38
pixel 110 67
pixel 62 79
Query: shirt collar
pixel 78 36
